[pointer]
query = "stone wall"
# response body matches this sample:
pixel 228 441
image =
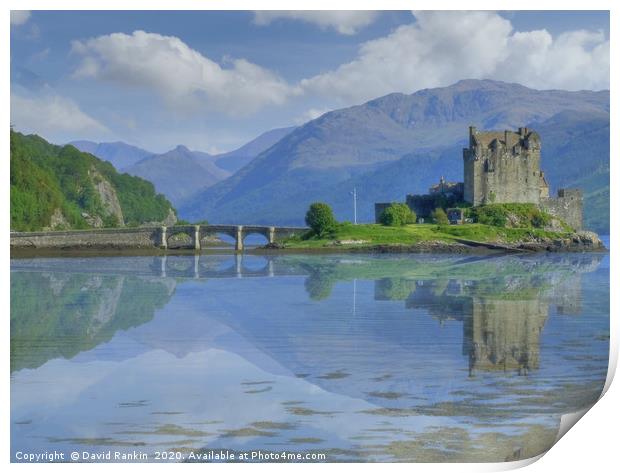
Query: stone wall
pixel 141 237
pixel 568 206
pixel 423 205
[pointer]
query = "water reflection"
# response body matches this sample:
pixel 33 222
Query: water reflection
pixel 419 358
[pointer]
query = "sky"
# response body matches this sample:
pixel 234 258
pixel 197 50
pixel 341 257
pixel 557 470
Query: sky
pixel 213 80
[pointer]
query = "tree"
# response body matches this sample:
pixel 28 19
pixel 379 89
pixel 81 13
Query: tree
pixel 396 215
pixel 320 218
pixel 439 216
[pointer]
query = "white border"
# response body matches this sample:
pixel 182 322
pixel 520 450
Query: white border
pixel 589 446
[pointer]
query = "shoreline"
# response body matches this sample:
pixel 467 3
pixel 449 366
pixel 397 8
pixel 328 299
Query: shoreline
pixel 437 247
pixel 347 238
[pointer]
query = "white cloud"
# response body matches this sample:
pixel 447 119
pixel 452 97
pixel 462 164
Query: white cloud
pixel 344 22
pixel 574 60
pixel 311 114
pixel 443 47
pixel 19 17
pixel 49 115
pixel 181 75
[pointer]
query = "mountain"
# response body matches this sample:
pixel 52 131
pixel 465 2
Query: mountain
pixel 61 187
pixel 235 160
pixel 391 146
pixel 575 153
pixel 179 173
pixel 120 154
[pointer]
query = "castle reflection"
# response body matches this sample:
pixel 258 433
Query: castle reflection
pixel 503 316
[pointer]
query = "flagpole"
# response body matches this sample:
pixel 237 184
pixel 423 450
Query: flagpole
pixel 354 206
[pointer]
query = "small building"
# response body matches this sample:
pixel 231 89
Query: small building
pixel 447 188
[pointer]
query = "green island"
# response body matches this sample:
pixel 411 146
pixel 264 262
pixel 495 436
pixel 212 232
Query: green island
pixel 347 235
pixel 494 226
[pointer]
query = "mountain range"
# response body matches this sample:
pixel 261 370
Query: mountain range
pixel 399 144
pixel 121 155
pixel 180 173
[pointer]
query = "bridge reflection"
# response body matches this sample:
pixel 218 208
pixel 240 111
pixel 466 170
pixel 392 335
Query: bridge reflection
pixel 198 266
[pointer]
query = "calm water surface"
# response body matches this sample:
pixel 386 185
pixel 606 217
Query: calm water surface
pixel 368 358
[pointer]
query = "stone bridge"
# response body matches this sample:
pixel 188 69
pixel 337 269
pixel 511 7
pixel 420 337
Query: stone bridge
pixel 146 237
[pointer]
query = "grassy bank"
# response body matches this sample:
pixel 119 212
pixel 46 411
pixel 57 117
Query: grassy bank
pixel 349 235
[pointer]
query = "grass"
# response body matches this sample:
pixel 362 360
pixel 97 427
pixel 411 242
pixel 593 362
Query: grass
pixel 347 235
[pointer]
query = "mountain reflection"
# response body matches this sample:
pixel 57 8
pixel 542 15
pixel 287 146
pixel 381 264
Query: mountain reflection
pixel 503 303
pixel 62 314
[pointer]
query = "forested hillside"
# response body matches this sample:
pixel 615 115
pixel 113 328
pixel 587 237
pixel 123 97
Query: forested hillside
pixel 59 187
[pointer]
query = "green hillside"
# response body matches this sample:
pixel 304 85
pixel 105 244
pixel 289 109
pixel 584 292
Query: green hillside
pixel 60 187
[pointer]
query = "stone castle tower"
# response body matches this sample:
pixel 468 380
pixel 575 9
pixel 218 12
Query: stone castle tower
pixel 503 167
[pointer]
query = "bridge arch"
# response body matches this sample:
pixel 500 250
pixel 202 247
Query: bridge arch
pixel 255 236
pixel 209 235
pixel 181 237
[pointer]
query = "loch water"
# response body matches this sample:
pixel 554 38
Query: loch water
pixel 356 357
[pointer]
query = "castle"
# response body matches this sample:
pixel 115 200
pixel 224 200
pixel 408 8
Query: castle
pixel 498 167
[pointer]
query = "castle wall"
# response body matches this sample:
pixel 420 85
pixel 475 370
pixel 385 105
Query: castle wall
pixel 470 170
pixel 509 179
pixel 503 167
pixel 568 206
pixel 422 205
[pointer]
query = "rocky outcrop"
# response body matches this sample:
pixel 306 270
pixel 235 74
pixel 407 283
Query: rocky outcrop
pixel 168 221
pixel 58 221
pixel 579 241
pixel 94 221
pixel 107 195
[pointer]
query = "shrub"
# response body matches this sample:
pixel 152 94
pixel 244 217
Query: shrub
pixel 320 219
pixel 513 215
pixel 396 215
pixel 541 219
pixel 439 216
pixel 495 215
